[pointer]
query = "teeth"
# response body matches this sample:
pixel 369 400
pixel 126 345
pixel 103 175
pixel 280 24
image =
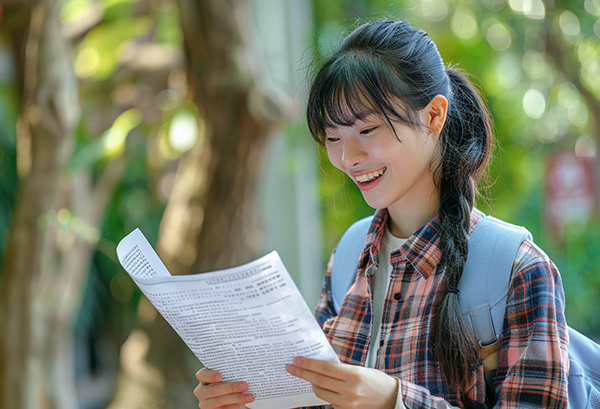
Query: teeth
pixel 370 176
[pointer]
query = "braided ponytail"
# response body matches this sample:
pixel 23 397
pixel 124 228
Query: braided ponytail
pixel 466 140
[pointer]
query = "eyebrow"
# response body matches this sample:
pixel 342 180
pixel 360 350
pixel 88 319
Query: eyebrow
pixel 353 118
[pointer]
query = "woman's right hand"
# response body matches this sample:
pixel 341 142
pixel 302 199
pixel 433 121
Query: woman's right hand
pixel 213 393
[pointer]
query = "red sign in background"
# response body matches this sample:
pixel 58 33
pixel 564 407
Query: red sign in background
pixel 571 191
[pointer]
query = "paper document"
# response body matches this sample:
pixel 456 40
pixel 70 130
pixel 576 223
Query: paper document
pixel 246 322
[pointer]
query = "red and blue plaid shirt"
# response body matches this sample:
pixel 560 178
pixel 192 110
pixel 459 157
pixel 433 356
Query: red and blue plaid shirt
pixel 533 362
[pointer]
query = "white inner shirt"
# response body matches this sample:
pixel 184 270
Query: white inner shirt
pixel 381 280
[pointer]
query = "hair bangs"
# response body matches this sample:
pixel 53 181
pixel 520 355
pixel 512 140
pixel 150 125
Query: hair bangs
pixel 351 88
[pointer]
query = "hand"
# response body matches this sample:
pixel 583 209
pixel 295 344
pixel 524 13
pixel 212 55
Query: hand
pixel 347 386
pixel 212 393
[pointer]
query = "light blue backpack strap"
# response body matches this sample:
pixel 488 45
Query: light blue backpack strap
pixel 584 372
pixel 485 281
pixel 345 261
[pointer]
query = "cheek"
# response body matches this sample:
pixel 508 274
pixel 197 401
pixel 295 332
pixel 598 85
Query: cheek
pixel 335 158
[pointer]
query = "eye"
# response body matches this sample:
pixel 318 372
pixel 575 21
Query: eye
pixel 367 130
pixel 331 139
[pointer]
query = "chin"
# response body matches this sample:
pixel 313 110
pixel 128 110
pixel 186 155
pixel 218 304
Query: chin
pixel 376 204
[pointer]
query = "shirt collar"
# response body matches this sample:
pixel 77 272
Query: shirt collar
pixel 422 250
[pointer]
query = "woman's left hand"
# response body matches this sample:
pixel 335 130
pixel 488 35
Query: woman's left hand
pixel 347 386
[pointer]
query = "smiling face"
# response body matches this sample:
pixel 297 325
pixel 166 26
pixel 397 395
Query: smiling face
pixel 393 168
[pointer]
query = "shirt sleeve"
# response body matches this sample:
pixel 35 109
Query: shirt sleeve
pixel 533 361
pixel 415 396
pixel 325 309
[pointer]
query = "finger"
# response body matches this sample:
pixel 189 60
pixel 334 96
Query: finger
pixel 327 368
pixel 207 376
pixel 240 406
pixel 325 382
pixel 237 406
pixel 216 390
pixel 333 398
pixel 228 401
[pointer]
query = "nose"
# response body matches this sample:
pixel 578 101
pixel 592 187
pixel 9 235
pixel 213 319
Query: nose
pixel 353 153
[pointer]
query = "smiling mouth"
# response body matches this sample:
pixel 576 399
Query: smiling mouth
pixel 371 176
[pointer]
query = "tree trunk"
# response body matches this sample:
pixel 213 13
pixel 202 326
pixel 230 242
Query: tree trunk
pixel 214 224
pixel 54 226
pixel 49 112
pixel 209 222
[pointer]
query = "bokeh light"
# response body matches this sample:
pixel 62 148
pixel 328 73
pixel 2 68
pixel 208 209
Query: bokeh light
pixel 569 24
pixel 498 36
pixel 183 131
pixel 464 25
pixel 534 103
pixel 508 71
pixel 592 7
pixel 586 146
pixel 590 71
pixel 535 65
pixel 433 10
pixel 533 9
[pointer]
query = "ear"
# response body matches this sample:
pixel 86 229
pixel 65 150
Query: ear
pixel 434 114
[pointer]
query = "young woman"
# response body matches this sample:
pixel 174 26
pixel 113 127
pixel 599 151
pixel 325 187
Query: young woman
pixel 415 137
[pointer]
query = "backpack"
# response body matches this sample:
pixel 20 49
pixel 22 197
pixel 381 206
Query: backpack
pixel 493 244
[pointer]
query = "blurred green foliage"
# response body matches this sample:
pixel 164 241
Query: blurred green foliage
pixel 8 160
pixel 538 108
pixel 99 53
pixel 539 105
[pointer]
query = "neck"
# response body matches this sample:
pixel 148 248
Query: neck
pixel 406 219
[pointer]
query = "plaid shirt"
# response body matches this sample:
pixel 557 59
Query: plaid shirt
pixel 533 362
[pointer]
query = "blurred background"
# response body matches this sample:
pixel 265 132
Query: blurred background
pixel 185 118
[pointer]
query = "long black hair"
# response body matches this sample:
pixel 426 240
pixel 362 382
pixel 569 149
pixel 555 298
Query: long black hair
pixel 378 65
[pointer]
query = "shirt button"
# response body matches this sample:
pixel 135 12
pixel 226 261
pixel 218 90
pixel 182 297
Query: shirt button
pixel 397 296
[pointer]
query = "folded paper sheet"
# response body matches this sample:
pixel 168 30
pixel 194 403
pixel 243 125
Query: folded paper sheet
pixel 246 322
